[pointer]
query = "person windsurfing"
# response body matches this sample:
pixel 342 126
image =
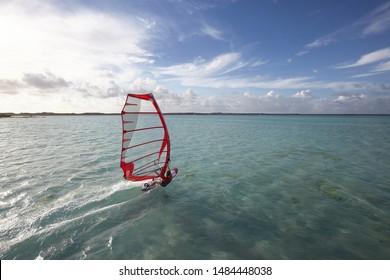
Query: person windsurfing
pixel 146 146
pixel 163 181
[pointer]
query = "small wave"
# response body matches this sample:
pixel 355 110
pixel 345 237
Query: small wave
pixel 39 257
pixel 110 243
pixel 84 252
pixel 6 194
pixel 9 201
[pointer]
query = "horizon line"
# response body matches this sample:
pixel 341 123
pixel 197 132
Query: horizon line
pixel 10 114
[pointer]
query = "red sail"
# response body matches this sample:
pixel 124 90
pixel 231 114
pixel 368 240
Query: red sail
pixel 145 139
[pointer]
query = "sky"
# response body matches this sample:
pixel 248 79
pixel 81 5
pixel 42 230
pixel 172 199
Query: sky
pixel 236 56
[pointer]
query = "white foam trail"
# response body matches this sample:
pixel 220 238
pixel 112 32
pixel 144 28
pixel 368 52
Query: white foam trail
pixel 128 185
pixel 75 199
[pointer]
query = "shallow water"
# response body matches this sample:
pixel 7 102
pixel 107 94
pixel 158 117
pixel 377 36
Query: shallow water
pixel 249 187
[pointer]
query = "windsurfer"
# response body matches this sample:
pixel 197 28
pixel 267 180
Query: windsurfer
pixel 163 182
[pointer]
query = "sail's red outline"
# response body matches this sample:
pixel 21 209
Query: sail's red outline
pixel 128 168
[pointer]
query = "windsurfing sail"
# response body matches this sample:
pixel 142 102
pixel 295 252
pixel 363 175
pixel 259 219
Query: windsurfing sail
pixel 145 139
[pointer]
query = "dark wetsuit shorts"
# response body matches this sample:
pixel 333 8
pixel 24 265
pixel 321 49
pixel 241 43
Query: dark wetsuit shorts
pixel 164 184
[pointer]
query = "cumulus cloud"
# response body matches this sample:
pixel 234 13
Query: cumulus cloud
pixel 76 44
pixel 271 94
pixel 302 94
pixel 142 85
pixel 190 99
pixel 114 90
pixel 350 98
pixel 44 81
pixel 10 86
pixel 305 102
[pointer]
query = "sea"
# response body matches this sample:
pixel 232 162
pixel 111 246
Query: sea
pixel 249 187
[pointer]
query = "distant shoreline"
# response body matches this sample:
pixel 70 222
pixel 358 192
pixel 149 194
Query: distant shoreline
pixel 46 114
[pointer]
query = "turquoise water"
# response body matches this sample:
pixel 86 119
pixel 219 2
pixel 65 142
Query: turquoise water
pixel 249 187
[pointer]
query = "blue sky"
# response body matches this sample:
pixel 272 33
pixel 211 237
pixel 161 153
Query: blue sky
pixel 266 56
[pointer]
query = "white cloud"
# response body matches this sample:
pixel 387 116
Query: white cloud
pixel 66 58
pixel 319 43
pixel 190 100
pixel 260 83
pixel 10 86
pixel 272 94
pixel 75 44
pixel 142 85
pixel 211 74
pixel 190 6
pixel 212 32
pixel 378 21
pixel 373 57
pixel 219 73
pixel 82 60
pixel 375 22
pixel 302 94
pixel 114 90
pixel 382 67
pixel 219 65
pixel 138 59
pixel 259 62
pixel 310 104
pixel 350 98
pixel 369 58
pixel 44 81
